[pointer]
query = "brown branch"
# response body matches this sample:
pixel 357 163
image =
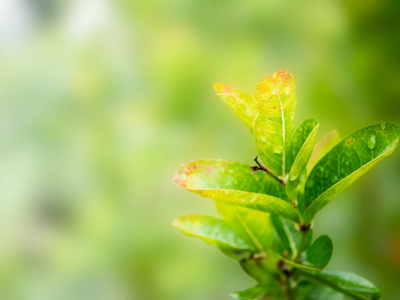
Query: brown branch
pixel 263 168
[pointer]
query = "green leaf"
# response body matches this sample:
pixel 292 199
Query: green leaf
pixel 227 175
pixel 298 139
pixel 323 147
pixel 252 226
pixel 263 268
pixel 257 292
pixel 212 230
pixel 320 253
pixel 304 137
pixel 345 282
pixel 307 290
pixel 275 100
pixel 346 162
pixel 241 103
pixel 261 202
pixel 231 182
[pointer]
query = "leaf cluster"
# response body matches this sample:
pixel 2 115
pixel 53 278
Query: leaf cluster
pixel 267 210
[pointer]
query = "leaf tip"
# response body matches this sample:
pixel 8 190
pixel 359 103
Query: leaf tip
pixel 221 88
pixel 179 179
pixel 175 222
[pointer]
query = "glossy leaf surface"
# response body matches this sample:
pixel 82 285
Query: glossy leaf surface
pixel 233 182
pixel 346 162
pixel 261 202
pixel 252 226
pixel 320 252
pixel 323 147
pixel 275 100
pixel 297 141
pixel 212 230
pixel 307 290
pixel 226 175
pixel 346 283
pixel 304 137
pixel 241 103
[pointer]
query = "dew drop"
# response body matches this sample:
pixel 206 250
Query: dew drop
pixel 371 143
pixel 278 150
pixel 335 178
pixel 383 126
pixel 303 176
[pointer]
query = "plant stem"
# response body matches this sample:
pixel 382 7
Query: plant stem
pixel 285 283
pixel 263 168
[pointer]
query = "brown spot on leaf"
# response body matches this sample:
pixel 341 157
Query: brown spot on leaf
pixel 179 181
pixel 283 74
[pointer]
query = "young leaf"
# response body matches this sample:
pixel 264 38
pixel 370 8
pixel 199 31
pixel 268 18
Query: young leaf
pixel 298 139
pixel 345 282
pixel 241 103
pixel 275 101
pixel 346 162
pixel 212 230
pixel 320 252
pixel 226 175
pixel 233 182
pixel 304 137
pixel 323 147
pixel 257 292
pixel 254 227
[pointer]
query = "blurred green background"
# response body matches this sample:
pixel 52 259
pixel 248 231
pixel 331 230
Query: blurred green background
pixel 101 101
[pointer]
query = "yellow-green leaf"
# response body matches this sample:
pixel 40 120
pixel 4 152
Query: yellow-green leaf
pixel 241 103
pixel 227 175
pixel 275 101
pixel 233 183
pixel 252 226
pixel 211 230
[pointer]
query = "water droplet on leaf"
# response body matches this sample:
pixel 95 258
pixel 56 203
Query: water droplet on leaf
pixel 303 176
pixel 371 143
pixel 278 150
pixel 383 126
